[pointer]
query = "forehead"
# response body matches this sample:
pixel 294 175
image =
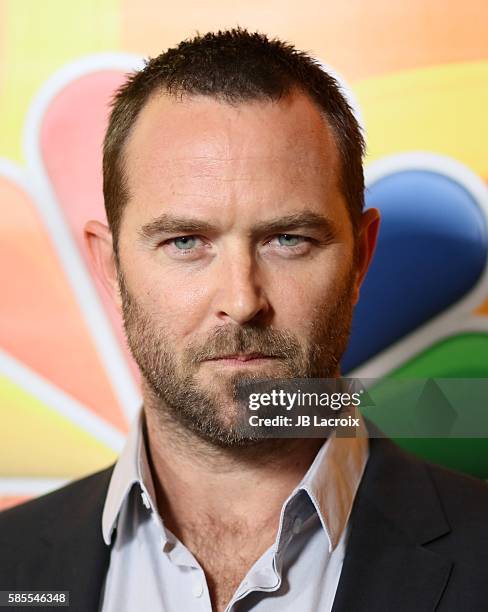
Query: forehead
pixel 201 148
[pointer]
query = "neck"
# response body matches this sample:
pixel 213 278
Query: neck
pixel 243 486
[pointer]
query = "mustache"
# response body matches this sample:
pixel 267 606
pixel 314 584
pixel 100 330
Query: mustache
pixel 229 340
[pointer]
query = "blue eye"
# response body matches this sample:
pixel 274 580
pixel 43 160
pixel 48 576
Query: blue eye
pixel 289 240
pixel 185 243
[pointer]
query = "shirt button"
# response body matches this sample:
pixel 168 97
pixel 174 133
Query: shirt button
pixel 198 589
pixel 297 525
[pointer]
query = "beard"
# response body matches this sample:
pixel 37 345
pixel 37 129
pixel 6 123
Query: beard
pixel 209 408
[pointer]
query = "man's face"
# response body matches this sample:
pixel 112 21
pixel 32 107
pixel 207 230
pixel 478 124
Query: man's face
pixel 236 254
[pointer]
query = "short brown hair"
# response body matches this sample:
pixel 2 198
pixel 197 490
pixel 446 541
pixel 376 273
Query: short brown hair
pixel 233 66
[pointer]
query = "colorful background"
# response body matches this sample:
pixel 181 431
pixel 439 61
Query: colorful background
pixel 418 72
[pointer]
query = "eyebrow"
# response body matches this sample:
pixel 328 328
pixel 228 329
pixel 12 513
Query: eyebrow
pixel 169 224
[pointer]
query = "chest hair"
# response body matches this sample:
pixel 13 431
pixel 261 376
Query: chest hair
pixel 226 553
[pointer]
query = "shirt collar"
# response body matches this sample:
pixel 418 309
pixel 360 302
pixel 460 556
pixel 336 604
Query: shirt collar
pixel 132 468
pixel 330 482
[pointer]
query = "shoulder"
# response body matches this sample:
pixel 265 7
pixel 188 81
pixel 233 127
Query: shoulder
pixel 387 458
pixel 406 482
pixel 448 482
pixel 463 498
pixel 56 540
pixel 67 504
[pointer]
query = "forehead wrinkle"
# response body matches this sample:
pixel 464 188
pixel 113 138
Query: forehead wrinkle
pixel 217 145
pixel 203 167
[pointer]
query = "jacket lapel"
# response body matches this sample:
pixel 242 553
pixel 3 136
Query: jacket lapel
pixel 387 565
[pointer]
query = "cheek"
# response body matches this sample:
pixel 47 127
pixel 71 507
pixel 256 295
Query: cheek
pixel 177 307
pixel 301 297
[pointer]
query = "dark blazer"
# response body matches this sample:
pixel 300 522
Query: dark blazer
pixel 418 540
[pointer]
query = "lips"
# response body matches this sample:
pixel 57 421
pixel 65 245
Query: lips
pixel 243 357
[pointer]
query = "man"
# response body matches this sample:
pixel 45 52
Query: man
pixel 236 248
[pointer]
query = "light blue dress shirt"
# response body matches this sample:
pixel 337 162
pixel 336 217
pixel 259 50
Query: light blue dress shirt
pixel 150 569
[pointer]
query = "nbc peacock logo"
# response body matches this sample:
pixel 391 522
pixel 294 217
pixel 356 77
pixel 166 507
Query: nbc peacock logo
pixel 68 387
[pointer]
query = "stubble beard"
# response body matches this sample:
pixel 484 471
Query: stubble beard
pixel 212 411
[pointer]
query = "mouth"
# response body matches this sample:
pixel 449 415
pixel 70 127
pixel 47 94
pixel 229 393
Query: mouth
pixel 241 358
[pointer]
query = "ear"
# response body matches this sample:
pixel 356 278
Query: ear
pixel 366 243
pixel 98 239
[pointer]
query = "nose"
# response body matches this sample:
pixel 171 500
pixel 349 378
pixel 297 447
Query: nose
pixel 241 297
